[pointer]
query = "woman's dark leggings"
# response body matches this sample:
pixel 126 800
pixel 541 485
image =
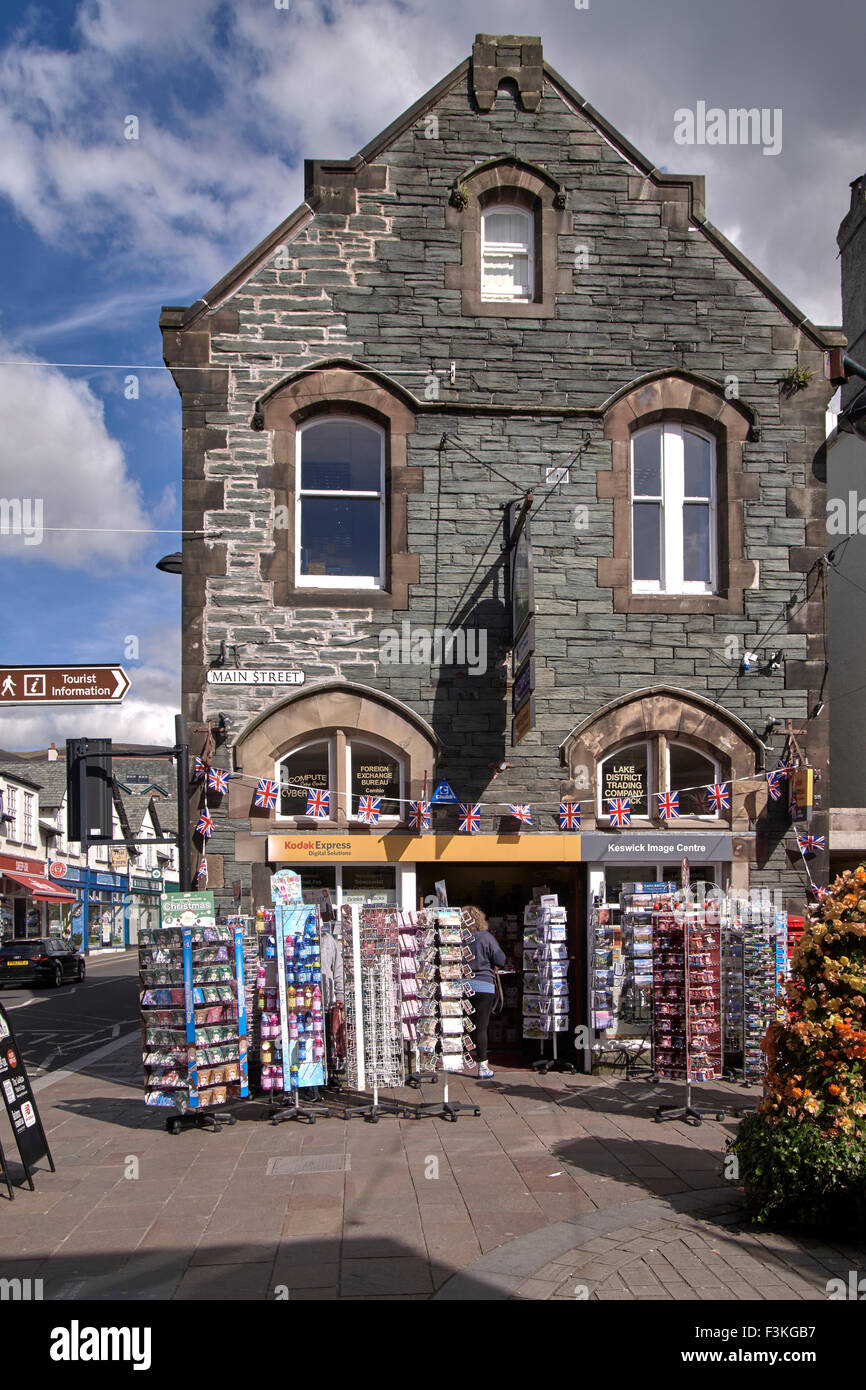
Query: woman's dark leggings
pixel 483 1006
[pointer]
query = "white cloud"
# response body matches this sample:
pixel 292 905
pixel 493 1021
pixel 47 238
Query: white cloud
pixel 57 456
pixel 145 715
pixel 232 97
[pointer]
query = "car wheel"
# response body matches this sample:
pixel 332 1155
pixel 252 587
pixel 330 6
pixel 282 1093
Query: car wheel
pixel 80 971
pixel 58 976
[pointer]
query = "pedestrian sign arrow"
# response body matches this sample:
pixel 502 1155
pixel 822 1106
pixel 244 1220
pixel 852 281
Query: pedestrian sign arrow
pixel 62 685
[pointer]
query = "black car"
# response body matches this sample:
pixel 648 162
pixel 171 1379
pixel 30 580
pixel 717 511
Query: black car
pixel 43 960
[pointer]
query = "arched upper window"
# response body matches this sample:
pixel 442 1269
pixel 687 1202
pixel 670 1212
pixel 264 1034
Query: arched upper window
pixel 507 253
pixel 674 541
pixel 340 504
pixel 372 781
pixel 635 772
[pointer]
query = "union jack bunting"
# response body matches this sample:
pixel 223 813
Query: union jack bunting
pixel 773 784
pixel 205 825
pixel 470 817
pixel 419 814
pixel 369 808
pixel 619 810
pixel 669 805
pixel 521 812
pixel 266 794
pixel 318 804
pixel 718 796
pixel 569 815
pixel 201 872
pixel 808 844
pixel 217 780
pixel 200 769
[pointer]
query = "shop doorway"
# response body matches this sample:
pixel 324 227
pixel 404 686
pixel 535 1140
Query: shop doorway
pixel 502 892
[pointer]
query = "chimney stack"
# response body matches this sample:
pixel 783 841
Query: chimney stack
pixel 52 754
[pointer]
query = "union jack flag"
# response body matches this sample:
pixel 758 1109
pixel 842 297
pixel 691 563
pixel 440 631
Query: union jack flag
pixel 773 784
pixel 369 808
pixel 201 872
pixel 318 804
pixel 419 814
pixel 521 812
pixel 266 794
pixel 808 844
pixel 569 815
pixel 718 796
pixel 217 780
pixel 470 817
pixel 205 825
pixel 669 805
pixel 200 769
pixel 619 810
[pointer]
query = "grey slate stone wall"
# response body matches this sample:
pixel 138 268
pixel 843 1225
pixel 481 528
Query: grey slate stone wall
pixel 371 285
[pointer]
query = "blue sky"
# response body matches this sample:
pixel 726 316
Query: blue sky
pixel 98 231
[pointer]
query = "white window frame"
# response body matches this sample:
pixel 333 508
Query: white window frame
pixel 691 747
pixel 28 818
pixel 503 248
pixel 673 502
pixel 339 581
pixel 293 752
pixel 647 743
pixel 11 808
pixel 372 742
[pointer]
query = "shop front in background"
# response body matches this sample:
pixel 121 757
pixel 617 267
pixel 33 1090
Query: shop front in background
pixel 99 913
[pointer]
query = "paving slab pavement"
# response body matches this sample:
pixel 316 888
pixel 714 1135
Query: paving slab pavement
pixel 563 1188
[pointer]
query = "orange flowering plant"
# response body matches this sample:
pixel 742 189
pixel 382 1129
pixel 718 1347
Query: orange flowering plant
pixel 803 1153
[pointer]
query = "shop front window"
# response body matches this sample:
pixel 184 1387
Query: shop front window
pixel 627 774
pixel 307 769
pixel 368 887
pixel 689 772
pixel 373 773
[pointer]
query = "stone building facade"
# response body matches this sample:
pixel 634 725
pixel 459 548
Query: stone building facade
pixel 626 310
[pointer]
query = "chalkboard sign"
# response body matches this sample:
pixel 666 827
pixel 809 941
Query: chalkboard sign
pixel 20 1106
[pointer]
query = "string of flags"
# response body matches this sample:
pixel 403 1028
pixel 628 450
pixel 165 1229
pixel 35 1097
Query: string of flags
pixel 716 797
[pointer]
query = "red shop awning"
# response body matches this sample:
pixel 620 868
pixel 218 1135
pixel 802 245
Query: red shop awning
pixel 42 887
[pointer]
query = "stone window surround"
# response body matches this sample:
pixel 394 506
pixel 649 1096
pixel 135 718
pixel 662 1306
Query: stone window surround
pixel 667 714
pixel 338 742
pixel 659 744
pixel 340 390
pixel 330 710
pixel 509 180
pixel 678 398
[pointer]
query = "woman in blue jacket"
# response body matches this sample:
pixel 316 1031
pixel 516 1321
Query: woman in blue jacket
pixel 488 958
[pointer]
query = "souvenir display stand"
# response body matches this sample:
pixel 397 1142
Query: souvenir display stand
pixel 687 1023
pixel 194 1015
pixel 295 1027
pixel 445 1010
pixel 621 976
pixel 751 937
pixel 374 1015
pixel 545 978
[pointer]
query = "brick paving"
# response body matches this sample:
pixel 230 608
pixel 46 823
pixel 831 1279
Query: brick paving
pixel 563 1188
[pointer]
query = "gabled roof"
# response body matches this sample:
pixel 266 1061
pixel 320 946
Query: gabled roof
pixel 356 172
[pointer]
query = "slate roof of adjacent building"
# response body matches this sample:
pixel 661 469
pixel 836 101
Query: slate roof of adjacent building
pixel 133 797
